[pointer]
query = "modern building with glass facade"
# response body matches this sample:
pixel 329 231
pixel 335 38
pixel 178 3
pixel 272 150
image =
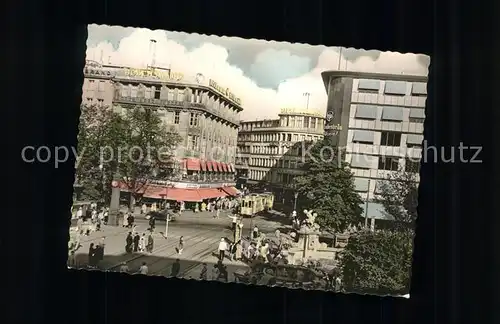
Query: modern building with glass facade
pixel 204 113
pixel 269 151
pixel 379 119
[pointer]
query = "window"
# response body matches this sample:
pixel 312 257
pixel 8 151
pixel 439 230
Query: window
pixel 414 140
pixel 177 117
pixel 89 100
pixel 363 137
pixel 368 85
pixel 91 85
pixel 412 165
pixel 416 120
pixel 395 88
pixel 100 86
pixel 306 122
pixel 193 119
pixel 133 92
pixel 100 102
pixel 157 91
pixel 390 139
pixel 388 163
pixel 194 142
pixel 313 123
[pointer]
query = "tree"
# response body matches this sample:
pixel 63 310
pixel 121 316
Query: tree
pixel 143 148
pixel 93 134
pixel 399 196
pixel 377 262
pixel 327 187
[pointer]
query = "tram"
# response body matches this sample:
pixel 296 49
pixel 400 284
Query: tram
pixel 255 203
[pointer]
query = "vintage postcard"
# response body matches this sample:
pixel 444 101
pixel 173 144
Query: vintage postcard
pixel 258 162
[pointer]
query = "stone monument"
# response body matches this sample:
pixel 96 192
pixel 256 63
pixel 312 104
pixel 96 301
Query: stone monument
pixel 308 235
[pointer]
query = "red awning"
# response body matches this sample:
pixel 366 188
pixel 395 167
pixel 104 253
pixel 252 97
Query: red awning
pixel 203 165
pixel 155 192
pixel 224 167
pixel 211 193
pixel 182 164
pixel 230 168
pixel 177 194
pixel 231 191
pixel 209 166
pixel 219 167
pixel 193 164
pixel 215 166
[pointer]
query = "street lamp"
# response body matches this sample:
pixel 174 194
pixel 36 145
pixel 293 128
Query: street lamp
pixel 295 196
pixel 103 186
pixel 167 218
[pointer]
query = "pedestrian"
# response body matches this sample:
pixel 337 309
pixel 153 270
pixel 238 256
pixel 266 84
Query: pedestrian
pixel 215 272
pixel 134 230
pixel 222 249
pixel 176 268
pixel 99 254
pixel 129 243
pixel 125 220
pixel 142 243
pixel 124 267
pixel 204 270
pixel 136 242
pixel 238 251
pixel 255 232
pixel 91 255
pixel 181 245
pixel 130 220
pixel 152 223
pixel 144 209
pixel 71 258
pixel 79 213
pixel 144 269
pixel 234 219
pixel 106 216
pixel 150 243
pixel 217 212
pixel 98 225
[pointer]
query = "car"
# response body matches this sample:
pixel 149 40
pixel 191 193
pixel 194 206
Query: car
pixel 162 215
pixel 282 275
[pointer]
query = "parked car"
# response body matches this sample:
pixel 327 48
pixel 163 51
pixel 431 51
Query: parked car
pixel 282 275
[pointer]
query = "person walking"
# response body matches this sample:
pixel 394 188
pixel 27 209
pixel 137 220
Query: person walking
pixel 92 255
pixel 129 243
pixel 136 242
pixel 180 248
pixel 176 268
pixel 142 243
pixel 125 220
pixel 204 270
pixel 150 244
pixel 222 249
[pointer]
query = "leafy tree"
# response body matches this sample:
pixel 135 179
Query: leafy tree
pixel 399 196
pixel 144 149
pixel 377 262
pixel 93 134
pixel 327 187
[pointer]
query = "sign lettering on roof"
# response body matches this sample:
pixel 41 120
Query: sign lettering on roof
pixel 164 75
pixel 298 111
pixel 224 91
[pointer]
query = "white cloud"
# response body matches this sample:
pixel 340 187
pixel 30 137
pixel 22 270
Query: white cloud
pixel 211 60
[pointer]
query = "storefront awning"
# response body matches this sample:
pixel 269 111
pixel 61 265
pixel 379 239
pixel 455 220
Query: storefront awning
pixel 231 166
pixel 193 164
pixel 224 166
pixel 155 192
pixel 216 166
pixel 203 165
pixel 209 166
pixel 231 191
pixel 211 193
pixel 177 194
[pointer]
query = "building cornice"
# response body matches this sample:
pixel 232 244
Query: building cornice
pixel 327 75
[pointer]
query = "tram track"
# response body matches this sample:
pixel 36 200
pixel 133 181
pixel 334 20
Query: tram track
pixel 199 239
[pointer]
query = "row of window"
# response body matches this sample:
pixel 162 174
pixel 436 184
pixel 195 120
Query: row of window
pixel 394 88
pixel 387 138
pixel 387 163
pixel 277 137
pixel 389 113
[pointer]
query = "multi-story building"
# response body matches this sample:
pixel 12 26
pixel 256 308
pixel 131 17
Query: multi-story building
pixel 203 113
pixel 269 151
pixel 379 119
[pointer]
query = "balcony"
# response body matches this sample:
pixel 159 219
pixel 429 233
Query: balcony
pixel 118 98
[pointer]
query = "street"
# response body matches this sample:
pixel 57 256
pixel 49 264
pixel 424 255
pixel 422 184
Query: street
pixel 201 233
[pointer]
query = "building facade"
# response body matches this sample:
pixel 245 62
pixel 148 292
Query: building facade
pixel 202 112
pixel 379 120
pixel 269 151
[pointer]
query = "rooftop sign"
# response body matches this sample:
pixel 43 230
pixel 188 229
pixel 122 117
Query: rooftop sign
pixel 164 75
pixel 224 91
pixel 303 111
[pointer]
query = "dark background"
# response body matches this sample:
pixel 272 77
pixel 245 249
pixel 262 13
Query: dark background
pixel 454 270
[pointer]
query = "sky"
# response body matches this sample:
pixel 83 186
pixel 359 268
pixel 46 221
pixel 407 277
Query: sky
pixel 266 75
